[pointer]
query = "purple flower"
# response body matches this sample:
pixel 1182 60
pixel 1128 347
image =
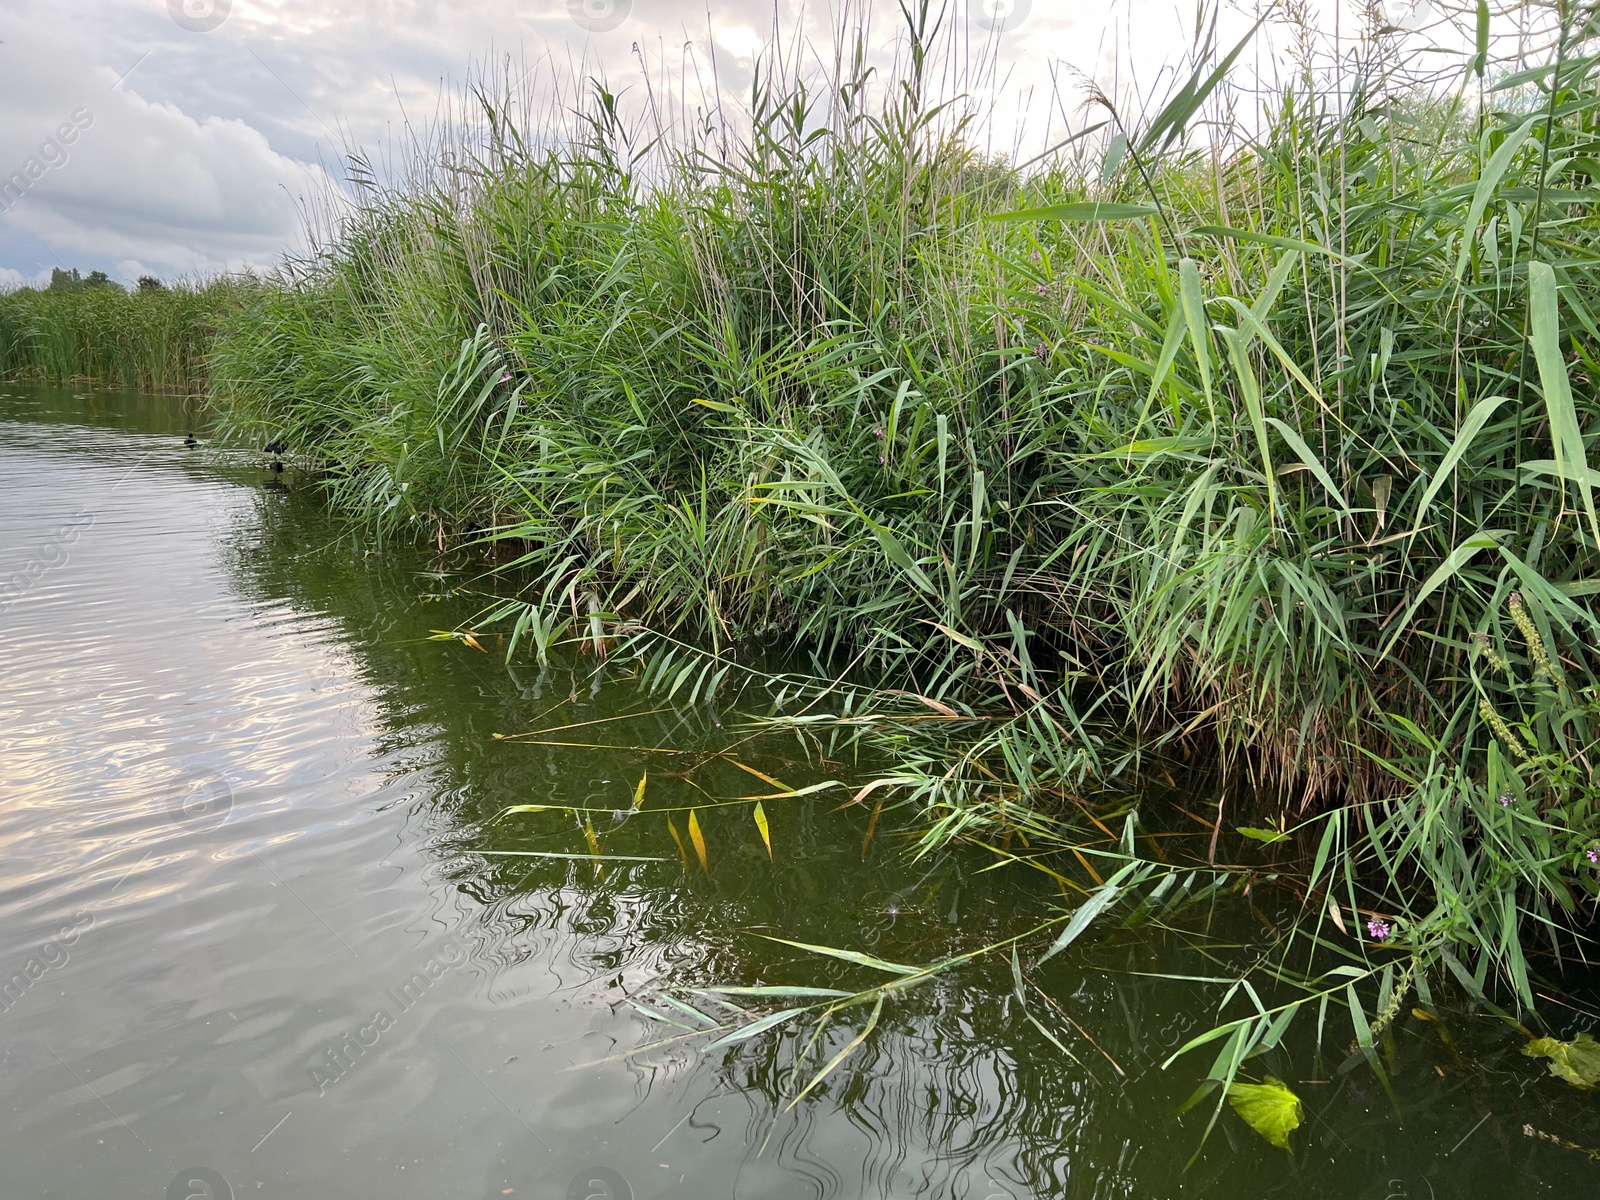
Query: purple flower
pixel 877 433
pixel 1379 929
pixel 1505 800
pixel 882 460
pixel 1041 352
pixel 505 376
pixel 1592 854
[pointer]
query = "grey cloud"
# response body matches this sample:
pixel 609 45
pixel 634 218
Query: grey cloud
pixel 197 160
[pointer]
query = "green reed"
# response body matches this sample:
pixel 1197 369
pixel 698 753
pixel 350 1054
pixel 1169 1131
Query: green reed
pixel 1257 449
pixel 150 339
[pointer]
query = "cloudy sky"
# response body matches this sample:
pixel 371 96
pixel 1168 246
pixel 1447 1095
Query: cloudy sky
pixel 198 127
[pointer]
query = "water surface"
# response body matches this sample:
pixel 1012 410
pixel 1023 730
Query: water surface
pixel 253 932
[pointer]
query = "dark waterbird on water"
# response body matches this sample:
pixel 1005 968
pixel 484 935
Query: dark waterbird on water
pixel 277 447
pixel 190 440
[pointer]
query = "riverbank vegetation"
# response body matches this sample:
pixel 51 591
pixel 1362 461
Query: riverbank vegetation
pixel 152 337
pixel 1252 447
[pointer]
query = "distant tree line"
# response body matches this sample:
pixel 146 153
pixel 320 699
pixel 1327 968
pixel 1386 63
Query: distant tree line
pixel 63 279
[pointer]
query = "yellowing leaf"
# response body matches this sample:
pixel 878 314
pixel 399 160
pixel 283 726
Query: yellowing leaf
pixel 1269 1108
pixel 698 840
pixel 638 792
pixel 682 853
pixel 812 790
pixel 761 824
pixel 455 635
pixel 761 775
pixel 1337 916
pixel 1577 1061
pixel 872 826
pixel 521 808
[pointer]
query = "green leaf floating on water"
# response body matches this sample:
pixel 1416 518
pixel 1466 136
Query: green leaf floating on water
pixel 1269 1108
pixel 1268 836
pixel 1577 1061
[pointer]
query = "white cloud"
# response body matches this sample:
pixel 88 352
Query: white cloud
pixel 11 279
pixel 95 168
pixel 196 160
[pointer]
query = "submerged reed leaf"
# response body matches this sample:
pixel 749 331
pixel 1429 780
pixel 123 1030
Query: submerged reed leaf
pixel 756 1028
pixel 558 854
pixel 522 808
pixel 1102 899
pixel 850 956
pixel 683 853
pixel 776 990
pixel 850 1048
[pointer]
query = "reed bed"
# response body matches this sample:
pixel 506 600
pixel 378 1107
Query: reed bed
pixel 1255 449
pixel 154 339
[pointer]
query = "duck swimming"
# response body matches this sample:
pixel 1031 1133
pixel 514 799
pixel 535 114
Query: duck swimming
pixel 190 440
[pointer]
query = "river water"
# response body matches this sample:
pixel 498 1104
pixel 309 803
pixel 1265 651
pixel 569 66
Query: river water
pixel 260 935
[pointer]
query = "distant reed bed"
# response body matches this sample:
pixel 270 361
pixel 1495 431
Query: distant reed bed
pixel 152 338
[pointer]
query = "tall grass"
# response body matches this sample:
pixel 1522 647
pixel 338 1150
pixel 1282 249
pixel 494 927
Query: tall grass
pixel 1259 448
pixel 151 339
